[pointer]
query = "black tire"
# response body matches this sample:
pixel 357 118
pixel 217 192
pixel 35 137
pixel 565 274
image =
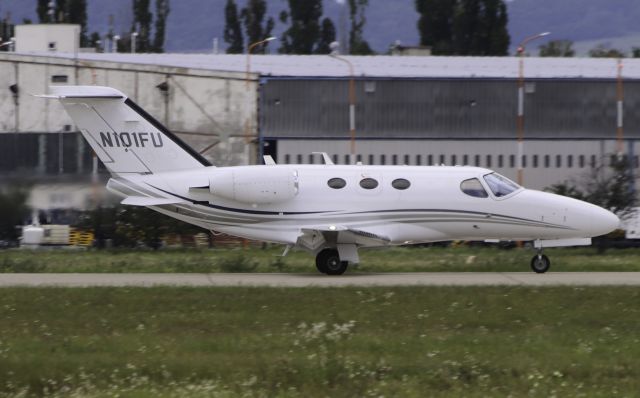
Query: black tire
pixel 540 263
pixel 328 262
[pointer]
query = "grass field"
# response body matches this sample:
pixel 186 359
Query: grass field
pixel 402 259
pixel 410 342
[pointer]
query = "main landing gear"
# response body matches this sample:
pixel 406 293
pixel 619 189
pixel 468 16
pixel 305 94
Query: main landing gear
pixel 328 262
pixel 540 263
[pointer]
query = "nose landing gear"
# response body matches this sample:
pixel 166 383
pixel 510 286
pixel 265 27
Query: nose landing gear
pixel 540 263
pixel 328 262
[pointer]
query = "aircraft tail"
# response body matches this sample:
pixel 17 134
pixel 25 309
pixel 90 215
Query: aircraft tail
pixel 125 137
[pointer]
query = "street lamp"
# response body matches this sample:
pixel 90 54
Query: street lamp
pixel 249 49
pixel 520 119
pixel 134 37
pixel 115 43
pixel 352 105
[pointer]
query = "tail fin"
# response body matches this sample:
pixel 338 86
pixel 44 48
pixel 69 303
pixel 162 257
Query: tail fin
pixel 125 137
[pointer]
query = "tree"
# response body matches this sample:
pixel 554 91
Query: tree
pixel 6 32
pixel 142 18
pixel 162 13
pixel 256 28
pixel 76 12
pixel 609 187
pixel 42 9
pixel 557 48
pixel 603 51
pixel 232 29
pixel 464 27
pixel 357 44
pixel 303 34
pixel 13 211
pixel 327 36
pixel 635 52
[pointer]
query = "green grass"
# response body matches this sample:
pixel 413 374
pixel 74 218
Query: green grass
pixel 402 259
pixel 415 342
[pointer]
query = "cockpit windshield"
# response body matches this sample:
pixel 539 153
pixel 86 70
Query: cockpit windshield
pixel 499 185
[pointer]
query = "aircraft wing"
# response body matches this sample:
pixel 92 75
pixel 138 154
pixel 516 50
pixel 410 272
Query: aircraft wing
pixel 313 237
pixel 150 201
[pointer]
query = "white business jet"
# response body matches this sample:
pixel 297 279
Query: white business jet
pixel 329 210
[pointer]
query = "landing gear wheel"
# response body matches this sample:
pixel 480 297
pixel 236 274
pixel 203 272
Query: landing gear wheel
pixel 328 262
pixel 540 263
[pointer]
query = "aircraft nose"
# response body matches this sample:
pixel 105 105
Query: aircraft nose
pixel 599 221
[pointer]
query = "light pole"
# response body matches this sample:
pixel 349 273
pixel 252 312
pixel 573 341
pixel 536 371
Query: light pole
pixel 352 107
pixel 249 49
pixel 247 124
pixel 520 119
pixel 115 43
pixel 134 37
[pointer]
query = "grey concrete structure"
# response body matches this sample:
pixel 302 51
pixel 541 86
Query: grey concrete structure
pixel 317 280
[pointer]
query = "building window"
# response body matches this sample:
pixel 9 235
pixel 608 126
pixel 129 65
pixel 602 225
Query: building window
pixel 347 159
pixel 454 160
pixel 593 161
pixel 512 161
pixel 477 161
pixel 400 183
pixel 287 159
pixel 430 160
pixel 489 165
pixel 442 161
pixel 335 159
pixel 547 161
pixel 500 161
pixel 418 160
pixel 371 161
pixel 383 160
pixel 337 183
pixel 368 183
pixel 636 161
pixel 59 79
pixel 570 161
pixel 407 159
pixel 558 161
pixel 312 159
pixel 581 161
pixel 394 160
pixel 465 160
pixel 299 159
pixel 524 161
pixel 535 161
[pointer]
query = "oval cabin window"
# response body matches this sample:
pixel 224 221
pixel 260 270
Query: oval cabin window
pixel 336 183
pixel 368 183
pixel 400 183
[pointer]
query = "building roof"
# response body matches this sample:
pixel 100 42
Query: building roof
pixel 381 66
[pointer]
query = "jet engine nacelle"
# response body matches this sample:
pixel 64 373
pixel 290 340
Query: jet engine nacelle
pixel 270 185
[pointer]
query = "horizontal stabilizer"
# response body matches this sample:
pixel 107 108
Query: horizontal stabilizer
pixel 149 201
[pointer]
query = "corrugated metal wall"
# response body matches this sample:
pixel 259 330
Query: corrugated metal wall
pixel 459 108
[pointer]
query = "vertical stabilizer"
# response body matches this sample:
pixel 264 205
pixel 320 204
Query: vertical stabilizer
pixel 123 135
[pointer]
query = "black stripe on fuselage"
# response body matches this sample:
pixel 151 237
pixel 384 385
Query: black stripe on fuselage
pixel 245 211
pixel 166 132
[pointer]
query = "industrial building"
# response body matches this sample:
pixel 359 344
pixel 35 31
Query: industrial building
pixel 408 110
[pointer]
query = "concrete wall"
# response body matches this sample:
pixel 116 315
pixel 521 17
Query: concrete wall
pixel 47 37
pixel 202 107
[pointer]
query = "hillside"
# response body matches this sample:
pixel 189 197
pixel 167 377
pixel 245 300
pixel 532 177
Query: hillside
pixel 194 23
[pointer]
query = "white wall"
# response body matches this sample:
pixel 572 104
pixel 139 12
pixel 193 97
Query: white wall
pixel 47 37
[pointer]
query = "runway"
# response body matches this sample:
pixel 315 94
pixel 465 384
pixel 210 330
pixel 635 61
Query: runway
pixel 318 280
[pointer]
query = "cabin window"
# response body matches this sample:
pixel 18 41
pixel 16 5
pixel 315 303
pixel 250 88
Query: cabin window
pixel 473 187
pixel 337 183
pixel 369 183
pixel 499 185
pixel 400 183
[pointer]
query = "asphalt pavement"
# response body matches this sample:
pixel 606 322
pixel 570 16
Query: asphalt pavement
pixel 319 280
